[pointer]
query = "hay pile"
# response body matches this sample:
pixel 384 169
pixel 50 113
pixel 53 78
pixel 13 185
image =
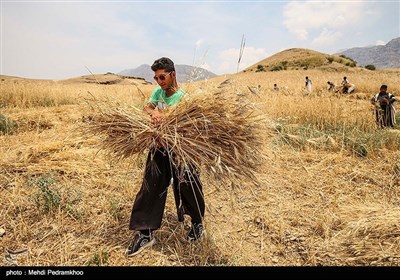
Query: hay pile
pixel 217 135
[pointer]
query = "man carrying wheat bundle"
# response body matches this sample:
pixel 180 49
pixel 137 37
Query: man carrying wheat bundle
pixel 148 207
pixel 384 109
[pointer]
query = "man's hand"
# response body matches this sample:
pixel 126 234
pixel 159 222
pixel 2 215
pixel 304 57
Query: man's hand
pixel 385 101
pixel 157 117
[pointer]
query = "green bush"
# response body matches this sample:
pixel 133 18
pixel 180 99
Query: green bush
pixel 100 258
pixel 46 199
pixel 276 68
pixel 260 68
pixel 7 126
pixel 370 67
pixel 360 150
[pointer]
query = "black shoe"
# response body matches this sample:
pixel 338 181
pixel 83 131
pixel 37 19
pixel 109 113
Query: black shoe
pixel 196 232
pixel 140 242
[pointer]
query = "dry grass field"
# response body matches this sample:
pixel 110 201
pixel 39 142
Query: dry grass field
pixel 329 190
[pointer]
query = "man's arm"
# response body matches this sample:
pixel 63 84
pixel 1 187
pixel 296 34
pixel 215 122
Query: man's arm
pixel 149 108
pixel 156 115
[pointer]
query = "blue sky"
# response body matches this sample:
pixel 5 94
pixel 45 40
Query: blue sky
pixel 59 39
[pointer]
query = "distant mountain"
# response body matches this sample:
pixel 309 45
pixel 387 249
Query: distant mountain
pixel 185 73
pixel 386 56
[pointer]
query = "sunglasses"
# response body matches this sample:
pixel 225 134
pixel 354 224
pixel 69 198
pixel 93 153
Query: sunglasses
pixel 162 76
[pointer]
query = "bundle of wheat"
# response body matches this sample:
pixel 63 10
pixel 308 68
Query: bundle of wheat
pixel 220 135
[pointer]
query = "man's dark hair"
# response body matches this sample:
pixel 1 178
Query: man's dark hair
pixel 383 86
pixel 163 63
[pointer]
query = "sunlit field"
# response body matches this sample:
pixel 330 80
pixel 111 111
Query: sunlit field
pixel 329 191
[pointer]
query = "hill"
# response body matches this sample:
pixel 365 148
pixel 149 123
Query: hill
pixel 387 56
pixel 302 59
pixel 107 79
pixel 185 73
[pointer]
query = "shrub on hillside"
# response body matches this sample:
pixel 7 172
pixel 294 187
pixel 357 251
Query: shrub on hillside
pixel 351 64
pixel 276 68
pixel 370 67
pixel 260 68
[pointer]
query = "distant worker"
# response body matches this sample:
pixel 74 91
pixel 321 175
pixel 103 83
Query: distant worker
pixel 308 85
pixel 347 87
pixel 384 108
pixel 276 87
pixel 345 81
pixel 331 87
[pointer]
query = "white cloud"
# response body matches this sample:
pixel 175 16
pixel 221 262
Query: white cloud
pixel 380 43
pixel 229 59
pixel 326 38
pixel 302 17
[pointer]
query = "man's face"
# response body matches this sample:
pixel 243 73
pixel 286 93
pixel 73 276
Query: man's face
pixel 164 79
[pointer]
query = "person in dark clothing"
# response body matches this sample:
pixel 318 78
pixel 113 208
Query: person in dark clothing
pixel 149 204
pixel 384 109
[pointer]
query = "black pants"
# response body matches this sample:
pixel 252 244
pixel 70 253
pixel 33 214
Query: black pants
pixel 148 208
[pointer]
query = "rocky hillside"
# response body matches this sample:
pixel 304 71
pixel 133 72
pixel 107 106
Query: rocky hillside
pixel 386 56
pixel 185 73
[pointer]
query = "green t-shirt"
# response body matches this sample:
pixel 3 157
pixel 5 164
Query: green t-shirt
pixel 160 99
